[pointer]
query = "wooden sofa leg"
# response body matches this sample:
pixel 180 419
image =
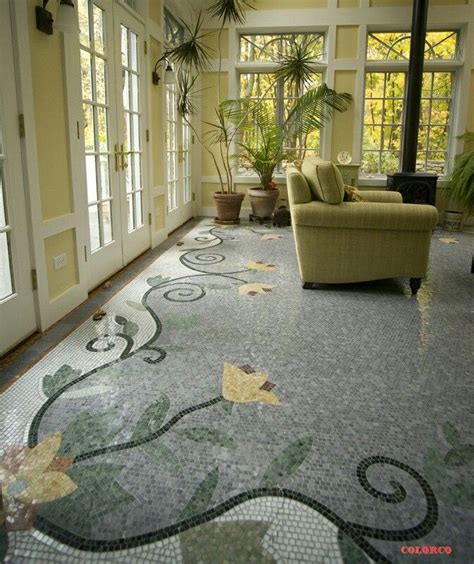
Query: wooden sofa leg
pixel 415 284
pixel 307 285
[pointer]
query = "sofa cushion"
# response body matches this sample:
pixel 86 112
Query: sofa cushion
pixel 298 189
pixel 324 179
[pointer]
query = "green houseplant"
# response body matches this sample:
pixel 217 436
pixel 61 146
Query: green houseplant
pixel 460 186
pixel 266 143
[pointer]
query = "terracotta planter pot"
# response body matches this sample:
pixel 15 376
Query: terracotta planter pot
pixel 228 207
pixel 263 202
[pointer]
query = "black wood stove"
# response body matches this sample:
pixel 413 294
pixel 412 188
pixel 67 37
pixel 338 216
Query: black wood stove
pixel 415 187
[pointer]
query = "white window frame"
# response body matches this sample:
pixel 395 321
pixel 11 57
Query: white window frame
pixel 452 65
pixel 268 67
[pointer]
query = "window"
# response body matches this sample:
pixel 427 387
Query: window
pixel 385 86
pixel 259 58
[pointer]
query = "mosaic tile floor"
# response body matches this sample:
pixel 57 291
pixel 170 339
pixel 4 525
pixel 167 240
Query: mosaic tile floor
pixel 221 413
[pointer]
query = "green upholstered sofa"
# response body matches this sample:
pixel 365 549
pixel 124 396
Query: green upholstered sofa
pixel 338 241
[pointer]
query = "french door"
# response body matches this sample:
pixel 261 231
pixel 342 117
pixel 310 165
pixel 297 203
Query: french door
pixel 17 310
pixel 113 97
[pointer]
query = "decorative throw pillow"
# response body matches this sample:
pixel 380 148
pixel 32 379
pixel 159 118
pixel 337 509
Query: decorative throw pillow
pixel 351 194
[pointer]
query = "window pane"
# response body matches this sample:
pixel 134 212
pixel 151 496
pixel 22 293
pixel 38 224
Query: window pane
pixel 84 22
pixel 137 175
pixel 138 209
pixel 86 75
pixel 102 129
pixel 91 178
pixel 133 51
pixel 89 140
pixel 385 46
pixel 6 286
pixel 125 90
pixel 94 227
pixel 124 45
pixel 390 162
pixel 274 47
pixel 107 222
pixel 3 203
pixel 130 211
pixel 135 132
pixel 100 81
pixel 98 15
pixel 104 175
pixel 134 92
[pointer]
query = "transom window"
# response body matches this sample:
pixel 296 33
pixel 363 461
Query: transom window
pixel 275 47
pixel 385 93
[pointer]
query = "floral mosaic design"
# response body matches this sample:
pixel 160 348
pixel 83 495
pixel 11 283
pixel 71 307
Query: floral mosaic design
pixel 192 451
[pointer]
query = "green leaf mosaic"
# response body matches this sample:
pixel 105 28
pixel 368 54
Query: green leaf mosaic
pixel 152 418
pixel 157 280
pixel 52 383
pixel 99 493
pixel 88 431
pixel 451 434
pixel 129 327
pixel 136 305
pixel 161 454
pixel 202 497
pixel 287 462
pixel 350 552
pixel 209 436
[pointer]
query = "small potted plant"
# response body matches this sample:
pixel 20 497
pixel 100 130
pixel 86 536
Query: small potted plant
pixel 460 186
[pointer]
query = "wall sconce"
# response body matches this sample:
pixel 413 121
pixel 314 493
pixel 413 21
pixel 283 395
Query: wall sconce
pixel 170 75
pixel 65 21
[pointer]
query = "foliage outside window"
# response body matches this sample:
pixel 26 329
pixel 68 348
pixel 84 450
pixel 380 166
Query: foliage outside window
pixel 277 95
pixel 384 102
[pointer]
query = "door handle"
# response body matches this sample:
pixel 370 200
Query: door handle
pixel 116 156
pixel 122 154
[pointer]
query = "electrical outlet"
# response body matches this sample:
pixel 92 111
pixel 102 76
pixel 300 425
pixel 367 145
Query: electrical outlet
pixel 59 261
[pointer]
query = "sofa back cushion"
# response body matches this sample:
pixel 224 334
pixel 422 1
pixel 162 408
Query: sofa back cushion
pixel 298 188
pixel 324 179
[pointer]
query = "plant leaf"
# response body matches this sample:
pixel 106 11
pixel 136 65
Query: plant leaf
pixel 181 322
pixel 136 305
pixel 237 541
pixel 227 406
pixel 451 434
pixel 129 327
pixel 460 455
pixel 202 496
pixel 88 431
pixel 286 463
pixel 460 494
pixel 351 553
pixel 210 436
pixel 161 454
pixel 157 280
pixel 98 493
pixel 62 376
pixel 151 419
pixel 217 286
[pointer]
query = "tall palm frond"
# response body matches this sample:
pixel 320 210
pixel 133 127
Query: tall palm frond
pixel 185 84
pixel 297 67
pixel 193 53
pixel 314 109
pixel 230 11
pixel 460 186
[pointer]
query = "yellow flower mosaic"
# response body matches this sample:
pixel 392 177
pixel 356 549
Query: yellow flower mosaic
pixel 240 386
pixel 258 265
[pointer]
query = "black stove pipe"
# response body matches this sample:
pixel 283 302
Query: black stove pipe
pixel 415 77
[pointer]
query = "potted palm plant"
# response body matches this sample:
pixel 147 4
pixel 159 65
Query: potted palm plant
pixel 460 186
pixel 264 143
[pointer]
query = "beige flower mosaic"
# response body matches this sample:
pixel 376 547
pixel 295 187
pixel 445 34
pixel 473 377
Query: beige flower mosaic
pixel 258 265
pixel 29 477
pixel 243 384
pixel 448 240
pixel 254 289
pixel 271 237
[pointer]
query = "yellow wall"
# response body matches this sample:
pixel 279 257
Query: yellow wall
pixel 386 3
pixel 50 118
pixel 211 41
pixel 155 10
pixel 347 42
pixel 209 102
pixel 61 280
pixel 348 3
pixel 343 123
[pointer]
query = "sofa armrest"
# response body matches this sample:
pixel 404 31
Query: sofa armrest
pixel 366 215
pixel 385 196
